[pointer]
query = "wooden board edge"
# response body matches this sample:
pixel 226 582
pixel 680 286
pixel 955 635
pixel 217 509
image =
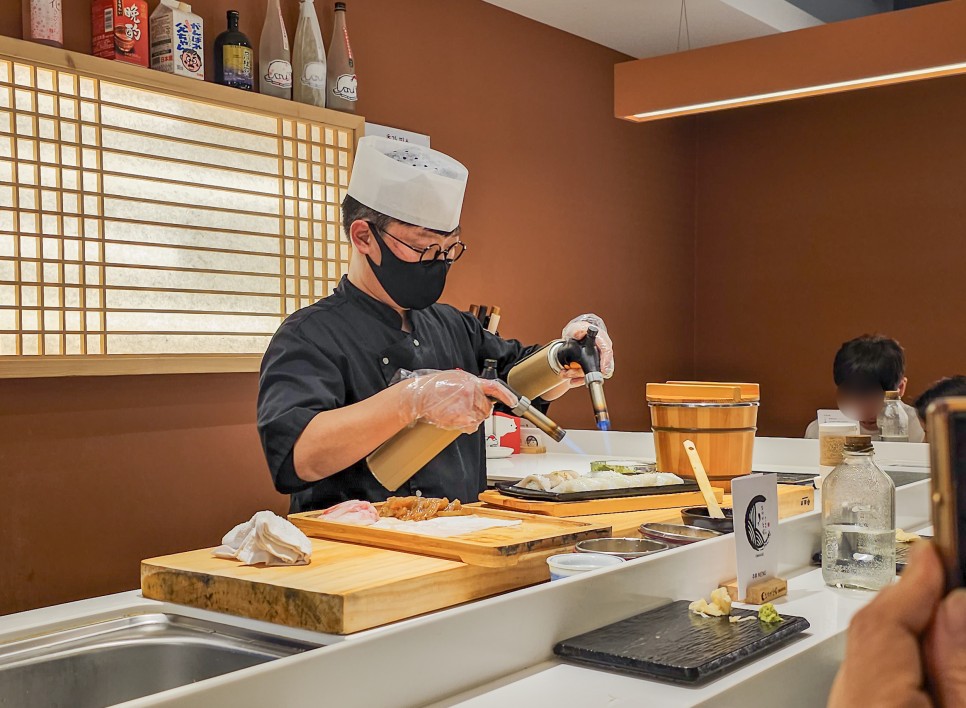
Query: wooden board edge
pixel 470 583
pixel 446 548
pixel 572 509
pixel 239 597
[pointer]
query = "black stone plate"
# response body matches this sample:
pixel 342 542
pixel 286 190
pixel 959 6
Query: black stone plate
pixel 672 644
pixel 801 478
pixel 511 490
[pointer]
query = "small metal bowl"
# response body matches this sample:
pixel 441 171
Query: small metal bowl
pixel 699 516
pixel 626 548
pixel 677 534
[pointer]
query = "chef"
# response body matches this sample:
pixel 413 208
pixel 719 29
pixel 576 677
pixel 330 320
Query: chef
pixel 344 375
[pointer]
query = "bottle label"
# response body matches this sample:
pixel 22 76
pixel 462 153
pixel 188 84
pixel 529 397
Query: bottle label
pixel 281 22
pixel 237 63
pixel 279 73
pixel 313 75
pixel 189 44
pixel 46 21
pixel 345 87
pixel 348 47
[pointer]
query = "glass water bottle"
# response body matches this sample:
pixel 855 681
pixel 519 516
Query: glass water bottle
pixel 858 521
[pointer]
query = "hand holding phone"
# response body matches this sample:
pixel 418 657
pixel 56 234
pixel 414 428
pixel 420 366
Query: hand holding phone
pixel 946 425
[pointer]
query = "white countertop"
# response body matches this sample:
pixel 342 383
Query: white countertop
pixel 557 683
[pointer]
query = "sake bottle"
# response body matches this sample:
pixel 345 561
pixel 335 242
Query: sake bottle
pixel 234 60
pixel 274 57
pixel 340 85
pixel 43 22
pixel 308 72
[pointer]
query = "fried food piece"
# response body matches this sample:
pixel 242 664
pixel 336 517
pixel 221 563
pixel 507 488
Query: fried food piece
pixel 420 508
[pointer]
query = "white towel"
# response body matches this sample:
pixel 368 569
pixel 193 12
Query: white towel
pixel 266 538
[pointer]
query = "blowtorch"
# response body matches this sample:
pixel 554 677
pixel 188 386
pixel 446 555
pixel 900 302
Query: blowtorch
pixel 540 372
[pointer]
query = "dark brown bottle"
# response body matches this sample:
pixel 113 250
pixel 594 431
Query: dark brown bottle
pixel 234 58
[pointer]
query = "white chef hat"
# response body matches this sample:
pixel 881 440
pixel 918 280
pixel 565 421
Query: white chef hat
pixel 408 182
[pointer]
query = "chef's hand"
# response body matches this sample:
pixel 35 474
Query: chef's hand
pixel 889 640
pixel 451 400
pixel 577 329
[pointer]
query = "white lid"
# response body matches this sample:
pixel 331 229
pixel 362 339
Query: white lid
pixel 838 427
pixel 409 182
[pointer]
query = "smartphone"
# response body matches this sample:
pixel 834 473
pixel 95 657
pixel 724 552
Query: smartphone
pixel 946 423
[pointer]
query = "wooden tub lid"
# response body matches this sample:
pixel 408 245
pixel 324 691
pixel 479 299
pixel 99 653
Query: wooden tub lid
pixel 702 392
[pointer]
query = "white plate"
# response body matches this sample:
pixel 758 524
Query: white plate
pixel 498 453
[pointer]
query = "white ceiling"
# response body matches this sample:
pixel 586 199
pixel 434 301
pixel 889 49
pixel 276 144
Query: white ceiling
pixel 644 28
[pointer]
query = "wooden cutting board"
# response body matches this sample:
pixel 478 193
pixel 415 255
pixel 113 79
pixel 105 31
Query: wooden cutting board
pixel 597 506
pixel 793 500
pixel 346 588
pixel 493 548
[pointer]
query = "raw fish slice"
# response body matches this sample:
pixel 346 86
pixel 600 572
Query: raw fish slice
pixel 536 481
pixel 360 513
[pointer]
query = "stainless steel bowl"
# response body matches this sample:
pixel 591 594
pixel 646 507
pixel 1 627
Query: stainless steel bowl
pixel 677 534
pixel 626 548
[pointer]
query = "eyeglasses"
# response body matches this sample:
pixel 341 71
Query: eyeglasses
pixel 431 253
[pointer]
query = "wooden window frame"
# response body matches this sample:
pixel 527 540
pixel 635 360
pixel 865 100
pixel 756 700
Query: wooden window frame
pixel 21 365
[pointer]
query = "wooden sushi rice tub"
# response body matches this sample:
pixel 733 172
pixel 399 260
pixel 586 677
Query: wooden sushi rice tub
pixel 720 418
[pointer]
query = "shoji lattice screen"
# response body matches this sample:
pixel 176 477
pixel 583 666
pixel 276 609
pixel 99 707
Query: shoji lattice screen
pixel 141 222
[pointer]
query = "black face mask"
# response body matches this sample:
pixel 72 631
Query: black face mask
pixel 412 286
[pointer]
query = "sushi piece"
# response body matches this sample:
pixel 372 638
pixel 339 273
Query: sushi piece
pixel 546 482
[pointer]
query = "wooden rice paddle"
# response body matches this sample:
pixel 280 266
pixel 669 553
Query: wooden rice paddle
pixel 702 478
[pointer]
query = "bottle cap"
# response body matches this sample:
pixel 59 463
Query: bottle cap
pixel 858 443
pixel 892 395
pixel 339 6
pixel 489 363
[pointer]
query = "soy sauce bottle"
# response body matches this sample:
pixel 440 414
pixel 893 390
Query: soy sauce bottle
pixel 489 372
pixel 234 58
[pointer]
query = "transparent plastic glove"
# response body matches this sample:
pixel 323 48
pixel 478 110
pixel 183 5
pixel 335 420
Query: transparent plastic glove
pixel 451 400
pixel 576 329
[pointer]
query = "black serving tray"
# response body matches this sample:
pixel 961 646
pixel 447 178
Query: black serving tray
pixel 672 644
pixel 510 490
pixel 804 479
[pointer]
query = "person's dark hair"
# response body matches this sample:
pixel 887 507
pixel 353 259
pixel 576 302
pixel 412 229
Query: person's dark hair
pixel 354 210
pixel 869 363
pixel 949 386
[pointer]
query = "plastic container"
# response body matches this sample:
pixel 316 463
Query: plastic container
pixel 565 565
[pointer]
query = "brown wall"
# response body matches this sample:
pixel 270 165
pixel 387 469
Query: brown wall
pixel 568 210
pixel 813 213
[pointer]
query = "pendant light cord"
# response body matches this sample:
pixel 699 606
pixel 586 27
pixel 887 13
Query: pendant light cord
pixel 683 25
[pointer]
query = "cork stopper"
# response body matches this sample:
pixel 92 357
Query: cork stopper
pixel 858 443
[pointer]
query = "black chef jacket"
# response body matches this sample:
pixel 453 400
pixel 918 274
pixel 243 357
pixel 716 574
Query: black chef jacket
pixel 342 350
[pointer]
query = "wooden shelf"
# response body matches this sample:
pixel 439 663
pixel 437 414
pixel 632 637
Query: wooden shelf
pixel 54 58
pixel 124 365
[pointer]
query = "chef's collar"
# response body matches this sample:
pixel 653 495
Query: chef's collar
pixel 380 310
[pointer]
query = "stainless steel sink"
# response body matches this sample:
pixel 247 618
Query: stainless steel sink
pixel 121 659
